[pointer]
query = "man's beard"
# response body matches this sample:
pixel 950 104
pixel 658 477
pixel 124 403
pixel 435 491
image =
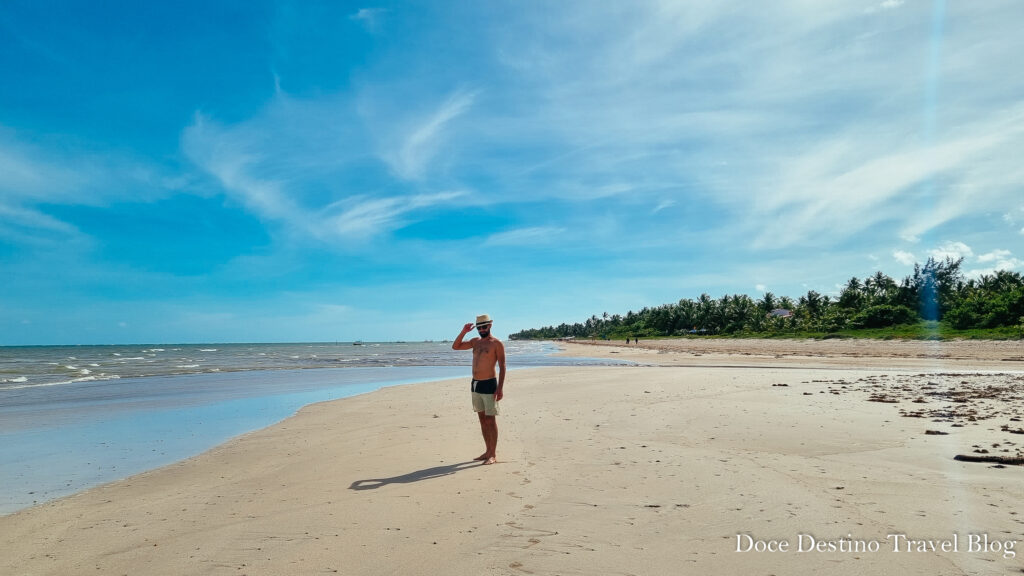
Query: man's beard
pixel 484 333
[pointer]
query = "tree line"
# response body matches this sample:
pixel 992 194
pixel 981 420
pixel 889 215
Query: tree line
pixel 936 291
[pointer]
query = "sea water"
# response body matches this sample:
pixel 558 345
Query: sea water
pixel 73 417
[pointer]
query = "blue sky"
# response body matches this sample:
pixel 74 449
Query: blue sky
pixel 319 171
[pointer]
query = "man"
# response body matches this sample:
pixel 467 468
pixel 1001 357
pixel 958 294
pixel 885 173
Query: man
pixel 485 387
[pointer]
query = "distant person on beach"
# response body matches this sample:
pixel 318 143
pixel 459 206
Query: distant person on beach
pixel 485 388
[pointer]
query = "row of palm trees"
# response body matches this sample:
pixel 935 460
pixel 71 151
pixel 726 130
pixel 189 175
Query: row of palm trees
pixel 935 291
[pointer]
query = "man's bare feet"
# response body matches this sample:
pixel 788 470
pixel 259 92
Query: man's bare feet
pixel 481 457
pixel 491 460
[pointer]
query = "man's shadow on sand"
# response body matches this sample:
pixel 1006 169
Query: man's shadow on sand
pixel 425 474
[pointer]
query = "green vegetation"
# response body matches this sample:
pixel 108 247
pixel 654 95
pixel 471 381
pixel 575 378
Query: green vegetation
pixel 935 302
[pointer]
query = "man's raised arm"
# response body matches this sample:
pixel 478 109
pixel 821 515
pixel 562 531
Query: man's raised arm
pixel 459 344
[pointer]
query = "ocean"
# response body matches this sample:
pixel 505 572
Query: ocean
pixel 73 417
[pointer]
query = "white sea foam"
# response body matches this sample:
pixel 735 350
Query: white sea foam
pixel 188 366
pixel 85 371
pixel 61 382
pixel 207 349
pixel 14 380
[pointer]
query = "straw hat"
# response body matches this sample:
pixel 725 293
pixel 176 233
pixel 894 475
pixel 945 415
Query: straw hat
pixel 483 319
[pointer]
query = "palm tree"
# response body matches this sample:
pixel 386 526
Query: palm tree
pixel 705 311
pixel 880 289
pixel 811 308
pixel 852 295
pixel 687 314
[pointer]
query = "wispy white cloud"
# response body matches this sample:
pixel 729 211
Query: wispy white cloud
pixel 1011 218
pixel 663 205
pixel 842 185
pixel 22 183
pixel 1009 264
pixel 995 255
pixel 525 236
pixel 885 5
pixel 33 219
pixel 29 226
pixel 19 173
pixel 954 250
pixel 410 148
pixel 997 260
pixel 234 157
pixel 821 138
pixel 784 146
pixel 367 217
pixel 370 18
pixel 904 257
pixel 35 175
pixel 276 165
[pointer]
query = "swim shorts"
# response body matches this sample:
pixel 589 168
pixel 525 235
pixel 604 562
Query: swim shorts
pixel 485 403
pixel 489 386
pixel 483 396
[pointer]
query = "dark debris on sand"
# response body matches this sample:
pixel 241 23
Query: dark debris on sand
pixel 955 399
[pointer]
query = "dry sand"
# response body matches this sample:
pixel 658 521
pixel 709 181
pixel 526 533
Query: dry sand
pixel 603 470
pixel 975 354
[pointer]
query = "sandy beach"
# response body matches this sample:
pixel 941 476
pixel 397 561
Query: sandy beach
pixel 712 457
pixel 841 353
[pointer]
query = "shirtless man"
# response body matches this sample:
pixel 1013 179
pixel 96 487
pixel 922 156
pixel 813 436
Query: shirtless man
pixel 485 387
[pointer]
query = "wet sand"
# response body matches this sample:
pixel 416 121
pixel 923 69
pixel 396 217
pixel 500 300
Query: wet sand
pixel 659 469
